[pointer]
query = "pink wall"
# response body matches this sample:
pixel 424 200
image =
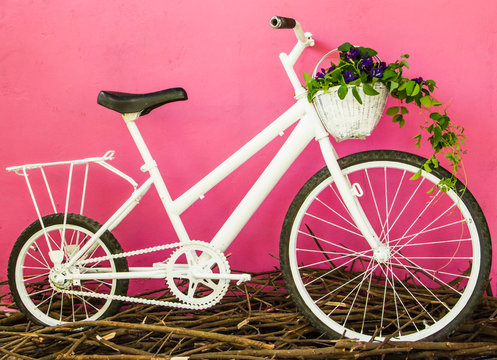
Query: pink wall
pixel 56 55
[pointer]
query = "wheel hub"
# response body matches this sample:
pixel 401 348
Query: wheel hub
pixel 382 253
pixel 58 277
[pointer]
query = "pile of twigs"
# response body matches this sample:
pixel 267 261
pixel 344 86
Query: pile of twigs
pixel 256 320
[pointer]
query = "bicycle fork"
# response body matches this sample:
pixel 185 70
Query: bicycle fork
pixel 349 194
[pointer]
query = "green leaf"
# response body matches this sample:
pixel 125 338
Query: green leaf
pixel 400 119
pixel 369 90
pixel 405 63
pixel 426 101
pixel 356 94
pixel 368 51
pixel 416 90
pixel 435 116
pixel 391 111
pixel 437 136
pixel 345 46
pixel 406 56
pixel 403 86
pixel 410 87
pixel 342 91
pixel 416 176
pixel 403 110
pixel 307 78
pixel 426 166
pixel 418 140
pixel 393 85
pixel 387 74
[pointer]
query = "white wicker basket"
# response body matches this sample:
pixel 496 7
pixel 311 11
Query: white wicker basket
pixel 347 119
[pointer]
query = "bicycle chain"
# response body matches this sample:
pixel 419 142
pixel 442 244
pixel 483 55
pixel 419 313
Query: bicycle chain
pixel 132 299
pixel 133 253
pixel 181 305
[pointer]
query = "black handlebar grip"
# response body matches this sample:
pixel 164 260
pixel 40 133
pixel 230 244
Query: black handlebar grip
pixel 280 22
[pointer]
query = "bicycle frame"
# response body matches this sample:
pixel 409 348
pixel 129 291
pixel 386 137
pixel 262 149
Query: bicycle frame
pixel 308 127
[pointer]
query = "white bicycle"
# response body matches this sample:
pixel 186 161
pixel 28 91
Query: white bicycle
pixel 365 251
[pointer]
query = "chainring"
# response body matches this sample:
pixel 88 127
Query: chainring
pixel 185 268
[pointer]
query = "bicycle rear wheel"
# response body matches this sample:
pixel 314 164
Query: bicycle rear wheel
pixel 29 272
pixel 439 252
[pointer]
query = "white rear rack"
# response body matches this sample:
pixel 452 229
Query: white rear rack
pixel 22 170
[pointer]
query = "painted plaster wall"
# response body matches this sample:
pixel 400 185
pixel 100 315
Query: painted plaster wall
pixel 56 55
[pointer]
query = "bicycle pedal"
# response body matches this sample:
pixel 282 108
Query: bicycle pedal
pixel 243 278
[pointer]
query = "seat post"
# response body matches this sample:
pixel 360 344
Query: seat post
pixel 129 119
pixel 150 166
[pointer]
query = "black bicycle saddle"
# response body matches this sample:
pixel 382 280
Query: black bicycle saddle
pixel 143 103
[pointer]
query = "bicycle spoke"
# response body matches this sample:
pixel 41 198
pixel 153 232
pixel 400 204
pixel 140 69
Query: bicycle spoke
pixel 28 278
pixel 359 286
pixel 325 261
pixel 33 268
pixel 366 304
pixel 434 277
pixel 338 288
pixel 338 214
pixel 413 297
pixel 427 226
pixel 333 224
pixel 406 204
pixel 61 307
pixel 328 242
pixel 342 255
pixel 39 292
pixel 109 285
pixel 374 197
pixel 38 260
pixel 85 302
pixel 50 304
pixel 337 196
pixel 436 242
pixel 424 231
pixel 84 306
pixel 48 298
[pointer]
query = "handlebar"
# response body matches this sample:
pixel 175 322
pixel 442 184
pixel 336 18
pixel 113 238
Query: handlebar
pixel 280 22
pixel 288 61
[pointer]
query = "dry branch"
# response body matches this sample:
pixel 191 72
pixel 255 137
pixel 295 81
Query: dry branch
pixel 255 321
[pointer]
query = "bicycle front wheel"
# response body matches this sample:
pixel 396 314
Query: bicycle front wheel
pixel 31 271
pixel 439 252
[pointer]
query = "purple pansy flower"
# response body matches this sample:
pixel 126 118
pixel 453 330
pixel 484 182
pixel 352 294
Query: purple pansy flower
pixel 366 64
pixel 349 76
pixel 376 72
pixel 319 75
pixel 353 54
pixel 418 80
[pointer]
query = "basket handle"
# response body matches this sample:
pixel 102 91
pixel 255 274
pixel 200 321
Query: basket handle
pixel 320 61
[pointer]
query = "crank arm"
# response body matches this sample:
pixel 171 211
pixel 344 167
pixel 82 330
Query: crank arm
pixel 239 278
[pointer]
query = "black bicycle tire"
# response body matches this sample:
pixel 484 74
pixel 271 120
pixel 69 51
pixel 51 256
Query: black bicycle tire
pixel 107 239
pixel 406 158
